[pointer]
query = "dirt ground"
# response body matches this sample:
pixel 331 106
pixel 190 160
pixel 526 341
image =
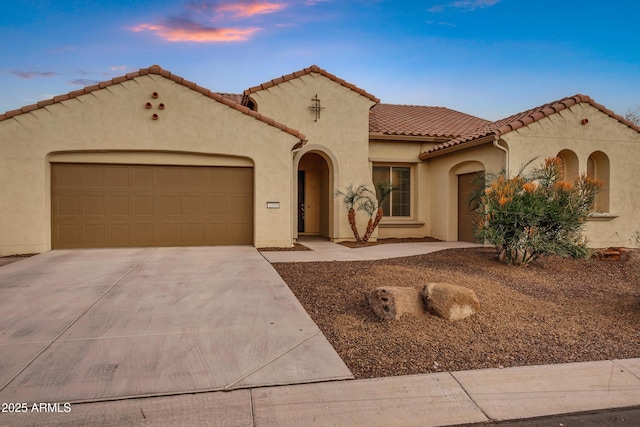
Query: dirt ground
pixel 389 240
pixel 554 311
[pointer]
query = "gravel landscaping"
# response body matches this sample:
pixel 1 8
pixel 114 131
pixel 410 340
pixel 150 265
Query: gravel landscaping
pixel 554 311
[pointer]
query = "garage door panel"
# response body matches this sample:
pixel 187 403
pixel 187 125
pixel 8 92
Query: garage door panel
pixel 239 206
pixel 119 205
pixel 143 234
pixel 195 234
pixel 217 205
pixel 239 179
pixel 66 205
pixel 238 233
pixel 172 233
pixel 217 233
pixel 133 205
pixel 117 177
pixel 194 205
pixel 68 234
pixel 143 178
pixel 194 179
pixel 66 176
pixel 93 178
pixel 171 178
pixel 94 205
pixel 120 234
pixel 171 206
pixel 143 205
pixel 217 179
pixel 94 235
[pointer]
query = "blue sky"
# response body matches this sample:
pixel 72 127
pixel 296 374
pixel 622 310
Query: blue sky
pixel 490 58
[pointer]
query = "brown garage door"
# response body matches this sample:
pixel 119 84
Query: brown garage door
pixel 97 206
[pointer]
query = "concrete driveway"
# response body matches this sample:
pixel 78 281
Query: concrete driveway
pixel 89 325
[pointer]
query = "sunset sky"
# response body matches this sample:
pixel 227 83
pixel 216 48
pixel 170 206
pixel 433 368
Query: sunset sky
pixel 489 58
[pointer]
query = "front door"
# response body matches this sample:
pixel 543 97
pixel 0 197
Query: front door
pixel 467 184
pixel 301 182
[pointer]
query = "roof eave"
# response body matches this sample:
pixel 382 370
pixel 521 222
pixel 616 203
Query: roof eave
pixel 463 146
pixel 303 72
pixel 157 70
pixel 377 136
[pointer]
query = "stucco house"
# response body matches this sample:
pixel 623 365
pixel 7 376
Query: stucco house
pixel 150 159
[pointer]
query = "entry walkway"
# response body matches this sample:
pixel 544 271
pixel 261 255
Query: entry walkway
pixel 322 250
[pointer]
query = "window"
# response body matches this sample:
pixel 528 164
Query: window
pixel 398 203
pixel 598 168
pixel 569 161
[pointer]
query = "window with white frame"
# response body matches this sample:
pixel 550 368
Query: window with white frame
pixel 398 202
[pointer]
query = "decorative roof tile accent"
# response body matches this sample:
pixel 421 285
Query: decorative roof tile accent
pixel 303 72
pixel 226 99
pixel 516 121
pixel 417 120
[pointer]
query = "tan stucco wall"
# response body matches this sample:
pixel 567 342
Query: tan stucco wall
pixel 112 121
pixel 398 153
pixel 341 134
pixel 565 131
pixel 434 185
pixel 443 184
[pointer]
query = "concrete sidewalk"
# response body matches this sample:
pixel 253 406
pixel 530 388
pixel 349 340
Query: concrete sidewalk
pixel 440 399
pixel 322 250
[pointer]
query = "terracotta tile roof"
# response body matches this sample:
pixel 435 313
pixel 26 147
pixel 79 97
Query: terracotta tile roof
pixel 416 120
pixel 225 99
pixel 516 121
pixel 235 97
pixel 309 70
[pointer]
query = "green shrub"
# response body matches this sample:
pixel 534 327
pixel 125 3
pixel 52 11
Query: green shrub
pixel 535 214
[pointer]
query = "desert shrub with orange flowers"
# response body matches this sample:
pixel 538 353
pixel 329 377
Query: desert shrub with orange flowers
pixel 535 214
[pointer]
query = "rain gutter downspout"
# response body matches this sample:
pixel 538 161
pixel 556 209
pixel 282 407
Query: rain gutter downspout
pixel 496 143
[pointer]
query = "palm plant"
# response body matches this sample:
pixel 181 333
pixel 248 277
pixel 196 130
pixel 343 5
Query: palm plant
pixel 383 192
pixel 363 199
pixel 350 199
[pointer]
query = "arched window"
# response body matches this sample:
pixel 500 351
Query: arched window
pixel 598 168
pixel 570 165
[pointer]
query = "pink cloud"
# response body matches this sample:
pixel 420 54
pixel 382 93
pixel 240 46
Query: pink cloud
pixel 245 10
pixel 236 9
pixel 185 30
pixel 193 26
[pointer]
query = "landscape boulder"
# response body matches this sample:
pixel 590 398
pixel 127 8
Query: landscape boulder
pixel 450 302
pixel 391 302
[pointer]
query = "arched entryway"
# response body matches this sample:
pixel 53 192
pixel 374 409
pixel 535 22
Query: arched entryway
pixel 314 195
pixel 466 180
